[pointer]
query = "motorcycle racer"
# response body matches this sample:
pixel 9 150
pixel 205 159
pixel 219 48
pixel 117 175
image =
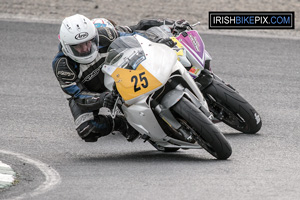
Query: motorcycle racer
pixel 77 67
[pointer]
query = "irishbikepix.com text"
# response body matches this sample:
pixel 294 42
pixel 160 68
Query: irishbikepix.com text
pixel 251 20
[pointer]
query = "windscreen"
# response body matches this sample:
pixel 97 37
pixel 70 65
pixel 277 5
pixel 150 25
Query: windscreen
pixel 125 52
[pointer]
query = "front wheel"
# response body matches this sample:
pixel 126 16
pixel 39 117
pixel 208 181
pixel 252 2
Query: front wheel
pixel 204 131
pixel 231 108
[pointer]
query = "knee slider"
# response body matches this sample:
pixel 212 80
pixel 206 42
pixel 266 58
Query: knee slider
pixel 91 130
pixel 85 131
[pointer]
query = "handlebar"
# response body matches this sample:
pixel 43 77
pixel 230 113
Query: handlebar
pixel 196 24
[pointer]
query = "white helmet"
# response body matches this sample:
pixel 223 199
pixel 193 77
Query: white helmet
pixel 102 22
pixel 78 30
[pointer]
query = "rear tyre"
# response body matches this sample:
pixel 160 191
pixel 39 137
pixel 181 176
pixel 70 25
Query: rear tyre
pixel 205 132
pixel 231 108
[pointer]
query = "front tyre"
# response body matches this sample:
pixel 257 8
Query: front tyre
pixel 231 108
pixel 207 134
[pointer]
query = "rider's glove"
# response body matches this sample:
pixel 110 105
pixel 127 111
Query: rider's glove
pixel 167 41
pixel 108 100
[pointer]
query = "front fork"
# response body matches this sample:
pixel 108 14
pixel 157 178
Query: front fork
pixel 169 100
pixel 206 77
pixel 204 80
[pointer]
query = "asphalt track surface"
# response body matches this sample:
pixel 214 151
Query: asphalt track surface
pixel 38 138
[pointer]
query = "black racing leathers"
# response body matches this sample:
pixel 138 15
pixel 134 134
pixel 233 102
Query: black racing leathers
pixel 84 83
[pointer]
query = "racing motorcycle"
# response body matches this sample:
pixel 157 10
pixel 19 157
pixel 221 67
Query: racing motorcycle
pixel 159 98
pixel 224 101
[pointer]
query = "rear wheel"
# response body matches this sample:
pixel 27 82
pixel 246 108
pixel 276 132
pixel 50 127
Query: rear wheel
pixel 231 108
pixel 204 131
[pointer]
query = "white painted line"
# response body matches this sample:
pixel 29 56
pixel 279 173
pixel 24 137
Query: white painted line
pixel 7 175
pixel 3 165
pixel 6 178
pixel 51 175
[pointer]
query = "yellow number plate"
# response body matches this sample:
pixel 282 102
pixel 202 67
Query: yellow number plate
pixel 133 83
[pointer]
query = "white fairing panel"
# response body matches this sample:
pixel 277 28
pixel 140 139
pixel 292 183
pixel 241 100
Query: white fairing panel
pixel 141 117
pixel 160 59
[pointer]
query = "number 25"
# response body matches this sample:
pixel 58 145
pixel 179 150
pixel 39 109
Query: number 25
pixel 142 79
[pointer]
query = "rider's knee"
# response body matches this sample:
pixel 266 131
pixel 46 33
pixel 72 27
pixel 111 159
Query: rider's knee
pixel 91 130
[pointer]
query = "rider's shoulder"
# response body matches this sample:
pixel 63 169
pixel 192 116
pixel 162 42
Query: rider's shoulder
pixel 63 61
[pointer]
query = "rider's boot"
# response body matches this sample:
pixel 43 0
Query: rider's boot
pixel 121 125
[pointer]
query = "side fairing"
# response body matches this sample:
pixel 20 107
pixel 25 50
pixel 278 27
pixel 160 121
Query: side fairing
pixel 192 41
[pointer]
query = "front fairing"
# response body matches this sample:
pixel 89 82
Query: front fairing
pixel 137 66
pixel 192 41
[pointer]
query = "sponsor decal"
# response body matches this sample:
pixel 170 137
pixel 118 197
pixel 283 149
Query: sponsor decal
pixel 64 73
pixel 251 20
pixel 195 43
pixel 81 36
pixel 194 70
pixel 91 75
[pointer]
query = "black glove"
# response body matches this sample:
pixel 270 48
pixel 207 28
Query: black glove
pixel 94 101
pixel 168 42
pixel 108 100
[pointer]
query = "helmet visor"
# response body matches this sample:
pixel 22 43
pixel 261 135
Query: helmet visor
pixel 85 48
